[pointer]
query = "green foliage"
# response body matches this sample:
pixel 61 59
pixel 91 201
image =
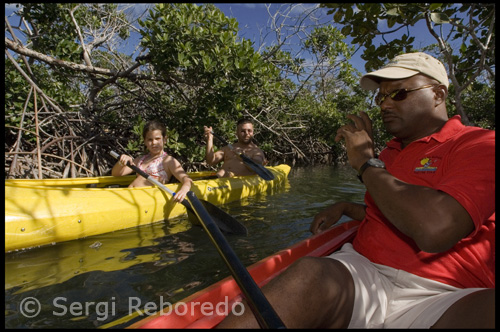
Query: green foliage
pixel 63 93
pixel 197 71
pixel 212 75
pixel 137 145
pixel 329 42
pixel 173 143
pixel 59 38
pixel 363 26
pixel 479 102
pixel 16 91
pixel 468 25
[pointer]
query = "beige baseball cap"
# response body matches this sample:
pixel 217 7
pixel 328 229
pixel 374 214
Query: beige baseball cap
pixel 404 66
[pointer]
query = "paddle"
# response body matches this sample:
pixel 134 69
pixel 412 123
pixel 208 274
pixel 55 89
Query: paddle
pixel 223 220
pixel 260 306
pixel 257 168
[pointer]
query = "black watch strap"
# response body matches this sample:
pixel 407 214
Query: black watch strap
pixel 362 170
pixel 372 162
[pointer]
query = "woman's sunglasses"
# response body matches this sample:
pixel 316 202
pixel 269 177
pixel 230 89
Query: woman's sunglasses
pixel 397 95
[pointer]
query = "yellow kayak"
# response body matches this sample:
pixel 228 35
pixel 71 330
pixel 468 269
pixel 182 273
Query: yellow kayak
pixel 41 212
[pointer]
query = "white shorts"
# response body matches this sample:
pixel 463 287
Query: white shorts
pixel 389 298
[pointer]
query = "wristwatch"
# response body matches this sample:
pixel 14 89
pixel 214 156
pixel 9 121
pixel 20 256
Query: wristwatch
pixel 372 162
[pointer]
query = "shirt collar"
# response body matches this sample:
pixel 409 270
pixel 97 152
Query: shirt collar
pixel 450 128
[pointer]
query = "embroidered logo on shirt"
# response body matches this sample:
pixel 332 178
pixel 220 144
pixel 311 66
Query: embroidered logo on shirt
pixel 428 165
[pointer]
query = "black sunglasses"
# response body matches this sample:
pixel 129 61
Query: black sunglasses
pixel 397 95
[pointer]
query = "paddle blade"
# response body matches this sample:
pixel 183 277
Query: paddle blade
pixel 257 168
pixel 224 221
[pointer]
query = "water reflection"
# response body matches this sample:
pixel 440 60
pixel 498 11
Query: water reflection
pixel 32 269
pixel 163 262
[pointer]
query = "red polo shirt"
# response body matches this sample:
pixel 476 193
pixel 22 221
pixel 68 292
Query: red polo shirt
pixel 460 161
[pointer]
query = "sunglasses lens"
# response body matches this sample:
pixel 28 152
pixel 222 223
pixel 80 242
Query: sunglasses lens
pixel 399 95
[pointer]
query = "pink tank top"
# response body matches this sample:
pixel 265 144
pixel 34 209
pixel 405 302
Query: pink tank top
pixel 155 167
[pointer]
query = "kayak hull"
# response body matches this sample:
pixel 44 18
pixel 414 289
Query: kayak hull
pixel 226 294
pixel 41 212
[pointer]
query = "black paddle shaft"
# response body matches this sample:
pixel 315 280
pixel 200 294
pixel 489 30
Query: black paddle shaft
pixel 260 306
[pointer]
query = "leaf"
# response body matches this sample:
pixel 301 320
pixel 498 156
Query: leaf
pixel 435 6
pixel 346 30
pixel 463 48
pixel 440 18
pixel 393 11
pixel 180 57
pixel 391 21
pixel 338 16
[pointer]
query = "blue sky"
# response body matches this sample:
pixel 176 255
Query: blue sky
pixel 254 16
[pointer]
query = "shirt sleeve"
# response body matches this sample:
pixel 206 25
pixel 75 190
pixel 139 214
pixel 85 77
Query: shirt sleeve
pixel 469 175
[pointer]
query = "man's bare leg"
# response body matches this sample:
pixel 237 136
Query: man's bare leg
pixel 312 292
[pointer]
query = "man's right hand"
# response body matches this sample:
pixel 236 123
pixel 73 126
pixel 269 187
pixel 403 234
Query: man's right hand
pixel 326 218
pixel 208 132
pixel 332 214
pixel 358 138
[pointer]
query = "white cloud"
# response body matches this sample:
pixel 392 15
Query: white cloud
pixel 12 7
pixel 303 7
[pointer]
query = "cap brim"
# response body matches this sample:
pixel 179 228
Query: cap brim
pixel 371 80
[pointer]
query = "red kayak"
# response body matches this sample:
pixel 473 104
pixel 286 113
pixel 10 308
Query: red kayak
pixel 208 307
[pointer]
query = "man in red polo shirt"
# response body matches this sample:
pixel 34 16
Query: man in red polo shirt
pixel 424 253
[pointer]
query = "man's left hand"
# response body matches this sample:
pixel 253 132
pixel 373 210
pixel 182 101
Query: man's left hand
pixel 358 139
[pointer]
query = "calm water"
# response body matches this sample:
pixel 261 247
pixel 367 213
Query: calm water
pixel 97 281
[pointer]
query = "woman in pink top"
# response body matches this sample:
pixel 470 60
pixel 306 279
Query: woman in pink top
pixel 156 163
